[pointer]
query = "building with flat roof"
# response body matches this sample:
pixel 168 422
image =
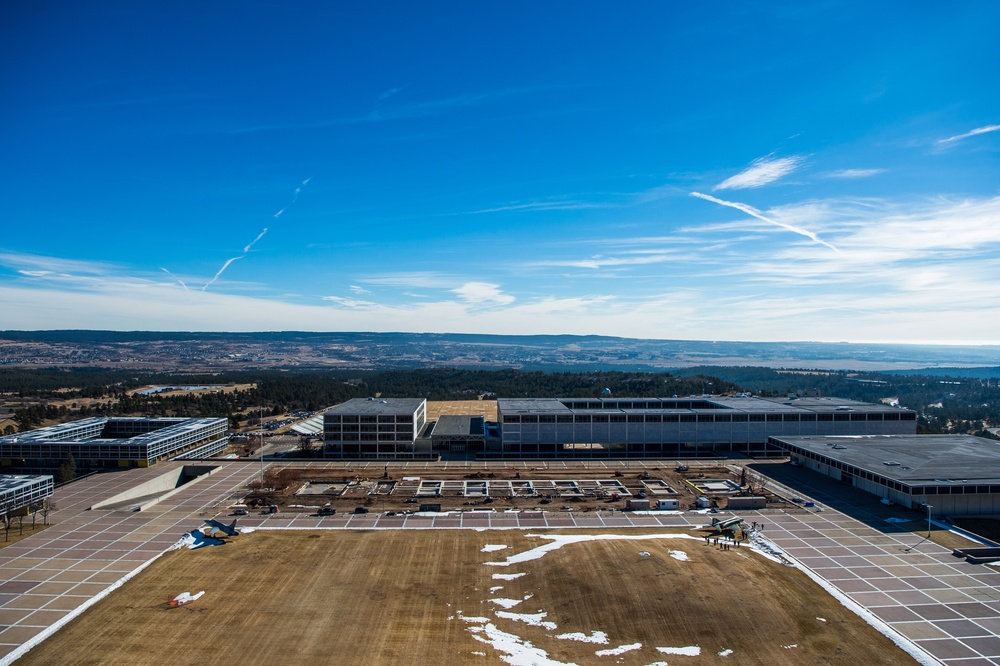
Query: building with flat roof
pixel 19 491
pixel 103 442
pixel 374 427
pixel 682 427
pixel 459 433
pixel 957 475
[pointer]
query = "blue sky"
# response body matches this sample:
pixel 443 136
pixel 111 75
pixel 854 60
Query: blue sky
pixel 743 171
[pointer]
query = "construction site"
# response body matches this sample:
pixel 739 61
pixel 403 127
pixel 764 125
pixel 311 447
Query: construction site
pixel 667 486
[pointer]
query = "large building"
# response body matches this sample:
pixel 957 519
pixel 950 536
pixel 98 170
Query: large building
pixel 18 492
pixel 103 442
pixel 682 427
pixel 374 427
pixel 957 475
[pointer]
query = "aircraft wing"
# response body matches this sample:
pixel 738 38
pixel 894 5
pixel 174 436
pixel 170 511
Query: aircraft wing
pixel 228 530
pixel 201 540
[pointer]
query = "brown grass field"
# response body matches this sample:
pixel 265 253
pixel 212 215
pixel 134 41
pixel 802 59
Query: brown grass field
pixel 398 597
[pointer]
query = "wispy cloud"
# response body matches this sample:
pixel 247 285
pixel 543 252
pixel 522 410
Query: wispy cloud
pixel 358 290
pixel 415 279
pixel 979 130
pixel 351 303
pixel 853 173
pixel 762 171
pixel 541 205
pixel 482 293
pixel 753 212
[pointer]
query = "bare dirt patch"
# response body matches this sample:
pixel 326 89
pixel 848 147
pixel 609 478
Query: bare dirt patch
pixel 424 597
pixel 485 408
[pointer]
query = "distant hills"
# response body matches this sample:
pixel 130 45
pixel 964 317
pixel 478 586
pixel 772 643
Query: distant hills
pixel 301 349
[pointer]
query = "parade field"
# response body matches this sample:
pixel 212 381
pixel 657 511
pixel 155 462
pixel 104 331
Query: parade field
pixel 462 596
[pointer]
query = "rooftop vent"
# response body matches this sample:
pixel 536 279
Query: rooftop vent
pixel 890 463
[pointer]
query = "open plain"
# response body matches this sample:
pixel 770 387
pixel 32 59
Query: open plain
pixel 432 597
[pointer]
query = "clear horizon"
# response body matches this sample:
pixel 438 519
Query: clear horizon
pixel 759 173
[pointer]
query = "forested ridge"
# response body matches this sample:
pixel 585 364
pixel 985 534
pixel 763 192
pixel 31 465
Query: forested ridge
pixel 944 404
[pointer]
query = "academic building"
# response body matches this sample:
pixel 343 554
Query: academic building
pixel 957 475
pixel 602 427
pixel 374 427
pixel 103 442
pixel 683 427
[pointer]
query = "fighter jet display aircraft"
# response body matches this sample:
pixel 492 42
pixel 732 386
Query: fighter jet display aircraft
pixel 221 530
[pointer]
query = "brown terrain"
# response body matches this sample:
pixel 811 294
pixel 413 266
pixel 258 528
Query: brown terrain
pixel 424 598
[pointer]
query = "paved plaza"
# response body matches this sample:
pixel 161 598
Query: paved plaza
pixel 947 607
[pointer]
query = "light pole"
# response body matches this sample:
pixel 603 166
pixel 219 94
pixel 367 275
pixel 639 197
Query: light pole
pixel 929 507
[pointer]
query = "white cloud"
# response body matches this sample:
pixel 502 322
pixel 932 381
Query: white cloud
pixel 351 303
pixel 979 130
pixel 762 171
pixel 853 173
pixel 483 293
pixel 358 290
pixel 907 271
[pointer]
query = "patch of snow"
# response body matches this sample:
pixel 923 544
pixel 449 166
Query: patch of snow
pixel 479 654
pixel 789 647
pixel 595 637
pixel 517 651
pixel 621 649
pixel 557 541
pixel 679 555
pixel 658 663
pixel 506 603
pixel 489 548
pixel 725 653
pixel 496 588
pixel 533 619
pixel 688 651
pixel 762 546
pixel 898 520
pixel 643 553
pixel 473 618
pixel 821 619
pixel 507 576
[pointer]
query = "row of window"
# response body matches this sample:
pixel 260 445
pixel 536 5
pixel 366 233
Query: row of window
pixel 849 469
pixel 640 404
pixel 706 418
pixel 355 418
pixel 368 437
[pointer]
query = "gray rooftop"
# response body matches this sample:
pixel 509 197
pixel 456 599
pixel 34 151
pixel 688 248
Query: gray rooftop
pixel 695 404
pixel 375 406
pixel 90 430
pixel 12 482
pixel 459 426
pixel 919 459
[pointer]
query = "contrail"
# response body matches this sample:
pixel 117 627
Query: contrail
pixel 176 278
pixel 221 270
pixel 226 265
pixel 753 212
pixel 254 241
